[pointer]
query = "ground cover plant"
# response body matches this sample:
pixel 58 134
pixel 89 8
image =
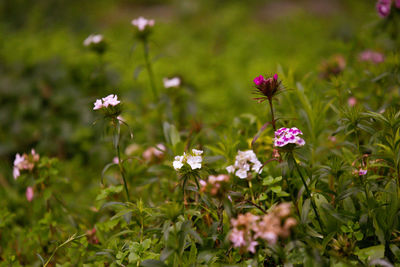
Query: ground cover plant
pixel 260 134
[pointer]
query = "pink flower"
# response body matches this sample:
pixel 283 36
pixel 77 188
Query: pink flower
pixel 142 23
pixel 276 77
pixel 110 100
pixel 371 56
pixel 284 136
pixel 362 172
pixel 383 7
pixel 352 101
pixel 29 193
pixel 397 3
pixel 258 80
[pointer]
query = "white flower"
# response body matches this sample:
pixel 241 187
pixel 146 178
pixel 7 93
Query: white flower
pixel 142 23
pixel 194 160
pixel 244 162
pixel 178 162
pixel 93 39
pixel 173 82
pixel 110 100
pixel 284 136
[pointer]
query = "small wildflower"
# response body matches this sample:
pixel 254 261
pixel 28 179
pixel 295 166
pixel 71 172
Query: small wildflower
pixel 362 172
pixel 142 24
pixel 193 159
pixel 91 236
pixel 284 136
pixel 371 56
pixel 267 87
pixel 115 160
pixel 333 66
pixel 352 101
pixel 383 7
pixel 245 162
pixel 215 185
pixel 93 39
pixel 24 162
pixel 109 104
pixel 173 82
pixel 397 3
pixel 154 153
pixel 29 193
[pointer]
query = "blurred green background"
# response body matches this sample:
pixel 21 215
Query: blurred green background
pixel 49 80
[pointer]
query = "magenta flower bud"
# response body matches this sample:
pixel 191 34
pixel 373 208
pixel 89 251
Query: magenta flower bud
pixel 276 77
pixel 258 80
pixel 29 193
pixel 383 7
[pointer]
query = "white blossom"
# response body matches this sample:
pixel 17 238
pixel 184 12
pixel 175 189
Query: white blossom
pixel 173 82
pixel 141 23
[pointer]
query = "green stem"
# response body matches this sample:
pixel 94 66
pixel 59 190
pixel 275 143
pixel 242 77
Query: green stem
pixel 251 191
pixel 121 167
pixel 272 114
pixel 149 69
pixel 308 193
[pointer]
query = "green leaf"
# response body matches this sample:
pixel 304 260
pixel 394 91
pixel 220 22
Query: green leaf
pixel 153 263
pixel 371 253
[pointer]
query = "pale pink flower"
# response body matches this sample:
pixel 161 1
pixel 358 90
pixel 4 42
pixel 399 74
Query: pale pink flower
pixel 115 160
pixel 173 82
pixel 245 162
pixel 110 100
pixel 98 104
pixel 141 23
pixel 383 7
pixel 362 172
pixel 194 160
pixel 29 193
pixel 352 101
pixel 93 39
pixel 371 56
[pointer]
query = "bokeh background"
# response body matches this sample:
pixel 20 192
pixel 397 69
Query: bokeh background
pixel 49 80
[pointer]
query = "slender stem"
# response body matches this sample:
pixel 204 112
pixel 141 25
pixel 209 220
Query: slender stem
pixel 149 69
pixel 251 190
pixel 121 167
pixel 308 192
pixel 272 114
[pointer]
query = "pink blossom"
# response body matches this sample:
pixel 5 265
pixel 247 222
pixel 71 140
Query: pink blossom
pixel 110 100
pixel 284 136
pixel 383 7
pixel 362 172
pixel 397 3
pixel 258 80
pixel 29 193
pixel 276 77
pixel 141 23
pixel 371 56
pixel 352 101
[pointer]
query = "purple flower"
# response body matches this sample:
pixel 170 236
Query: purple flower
pixel 267 87
pixel 383 7
pixel 284 136
pixel 397 3
pixel 362 172
pixel 29 193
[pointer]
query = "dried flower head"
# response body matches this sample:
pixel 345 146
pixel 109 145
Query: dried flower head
pixel 285 136
pixel 193 159
pixel 245 162
pixel 267 87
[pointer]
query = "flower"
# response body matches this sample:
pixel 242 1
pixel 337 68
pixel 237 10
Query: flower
pixel 194 160
pixel 29 193
pixel 110 100
pixel 383 7
pixel 362 172
pixel 397 3
pixel 245 162
pixel 352 101
pixel 173 82
pixel 24 162
pixel 154 153
pixel 267 87
pixel 141 23
pixel 215 185
pixel 93 39
pixel 371 56
pixel 284 136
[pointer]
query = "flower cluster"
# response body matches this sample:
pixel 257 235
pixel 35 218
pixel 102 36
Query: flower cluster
pixel 267 87
pixel 95 42
pixel 142 24
pixel 333 66
pixel 383 7
pixel 371 56
pixel 194 160
pixel 248 228
pixel 25 163
pixel 93 39
pixel 154 153
pixel 284 136
pixel 244 162
pixel 173 82
pixel 215 185
pixel 111 100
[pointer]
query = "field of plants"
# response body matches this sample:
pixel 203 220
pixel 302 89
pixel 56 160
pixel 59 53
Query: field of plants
pixel 199 133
